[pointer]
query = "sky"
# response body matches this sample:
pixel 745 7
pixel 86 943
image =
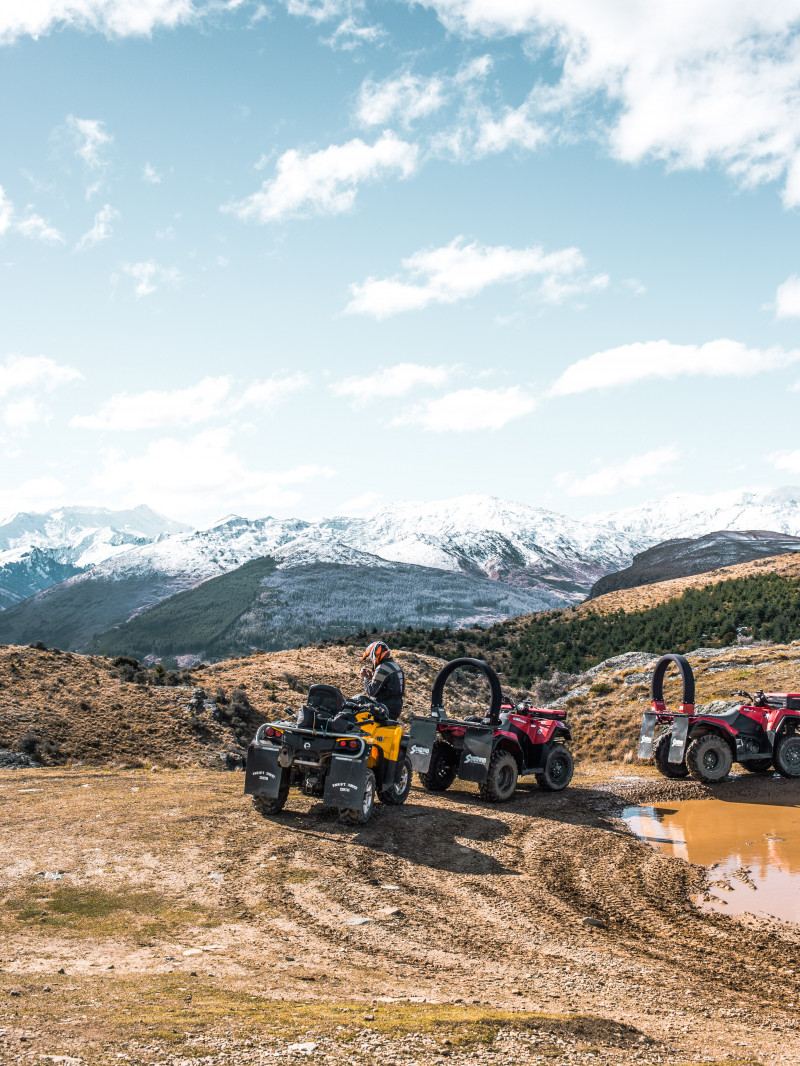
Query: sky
pixel 309 257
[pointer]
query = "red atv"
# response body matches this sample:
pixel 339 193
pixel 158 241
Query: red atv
pixel 509 742
pixel 759 734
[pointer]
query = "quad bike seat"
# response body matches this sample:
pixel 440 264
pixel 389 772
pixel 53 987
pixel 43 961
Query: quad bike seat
pixel 326 709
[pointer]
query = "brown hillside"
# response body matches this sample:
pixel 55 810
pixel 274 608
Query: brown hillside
pixel 644 596
pixel 69 708
pixel 64 707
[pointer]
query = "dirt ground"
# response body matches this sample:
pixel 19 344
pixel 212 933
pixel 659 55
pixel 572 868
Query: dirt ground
pixel 155 917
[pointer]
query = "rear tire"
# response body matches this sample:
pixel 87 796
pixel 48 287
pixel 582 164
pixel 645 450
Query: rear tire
pixel 559 766
pixel 266 805
pixel 757 766
pixel 442 769
pixel 661 758
pixel 787 755
pixel 501 781
pixel 398 792
pixel 709 759
pixel 364 813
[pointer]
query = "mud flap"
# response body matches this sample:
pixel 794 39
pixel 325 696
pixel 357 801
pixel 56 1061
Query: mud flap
pixel 474 765
pixel 649 719
pixel 262 773
pixel 420 743
pixel 345 783
pixel 680 730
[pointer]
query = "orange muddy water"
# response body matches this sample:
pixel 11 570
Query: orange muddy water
pixel 752 851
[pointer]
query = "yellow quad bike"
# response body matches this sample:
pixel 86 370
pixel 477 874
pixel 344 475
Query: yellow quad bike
pixel 347 751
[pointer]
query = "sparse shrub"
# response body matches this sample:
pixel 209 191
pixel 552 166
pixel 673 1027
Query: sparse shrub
pixel 601 688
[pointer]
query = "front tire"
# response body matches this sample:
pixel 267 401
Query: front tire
pixel 709 759
pixel 442 768
pixel 364 812
pixel 501 781
pixel 559 766
pixel 787 755
pixel 397 793
pixel 661 758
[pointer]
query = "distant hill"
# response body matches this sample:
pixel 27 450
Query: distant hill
pixel 758 600
pixel 262 606
pixel 699 555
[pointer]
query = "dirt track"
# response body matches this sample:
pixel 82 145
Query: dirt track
pixel 184 923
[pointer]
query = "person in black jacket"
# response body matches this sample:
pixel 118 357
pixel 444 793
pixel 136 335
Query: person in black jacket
pixel 384 679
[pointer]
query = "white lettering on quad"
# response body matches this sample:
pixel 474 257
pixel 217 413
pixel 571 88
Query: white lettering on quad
pixel 474 758
pixel 417 750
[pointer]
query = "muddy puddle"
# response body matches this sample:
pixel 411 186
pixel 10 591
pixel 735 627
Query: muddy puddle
pixel 752 851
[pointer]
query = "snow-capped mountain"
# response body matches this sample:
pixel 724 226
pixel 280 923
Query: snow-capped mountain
pixel 477 537
pixel 38 550
pixel 686 514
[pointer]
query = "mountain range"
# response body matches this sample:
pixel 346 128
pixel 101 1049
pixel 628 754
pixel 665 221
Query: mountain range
pixel 458 561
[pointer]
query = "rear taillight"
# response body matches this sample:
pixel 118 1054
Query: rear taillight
pixel 273 734
pixel 351 744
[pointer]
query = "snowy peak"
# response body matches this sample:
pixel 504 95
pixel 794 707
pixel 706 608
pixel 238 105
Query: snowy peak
pixel 691 515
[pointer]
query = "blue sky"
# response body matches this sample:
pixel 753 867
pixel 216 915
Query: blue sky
pixel 307 257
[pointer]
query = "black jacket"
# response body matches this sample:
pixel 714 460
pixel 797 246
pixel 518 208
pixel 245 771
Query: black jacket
pixel 388 684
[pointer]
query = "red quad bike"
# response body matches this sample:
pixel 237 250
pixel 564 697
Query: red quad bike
pixel 759 734
pixel 495 751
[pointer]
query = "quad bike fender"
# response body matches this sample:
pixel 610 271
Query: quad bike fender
pixel 263 774
pixel 563 732
pixel 420 743
pixel 646 734
pixel 345 782
pixel 680 733
pixel 475 755
pixel 720 729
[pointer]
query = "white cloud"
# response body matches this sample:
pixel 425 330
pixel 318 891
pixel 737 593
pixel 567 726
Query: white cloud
pixel 660 359
pixel 35 372
pixel 272 391
pixel 390 381
pixel 122 18
pixel 6 212
pixel 151 175
pixel 555 289
pixel 359 504
pixel 458 271
pixel 36 494
pixel 470 409
pixel 514 128
pixel 350 34
pixel 327 181
pixel 627 474
pixel 692 82
pixel 101 229
pixel 23 413
pixel 789 461
pixel 31 226
pixel 213 397
pixel 787 298
pixel 406 97
pixel 174 475
pixel 90 138
pixel 149 276
pixel 146 410
pixel 34 227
